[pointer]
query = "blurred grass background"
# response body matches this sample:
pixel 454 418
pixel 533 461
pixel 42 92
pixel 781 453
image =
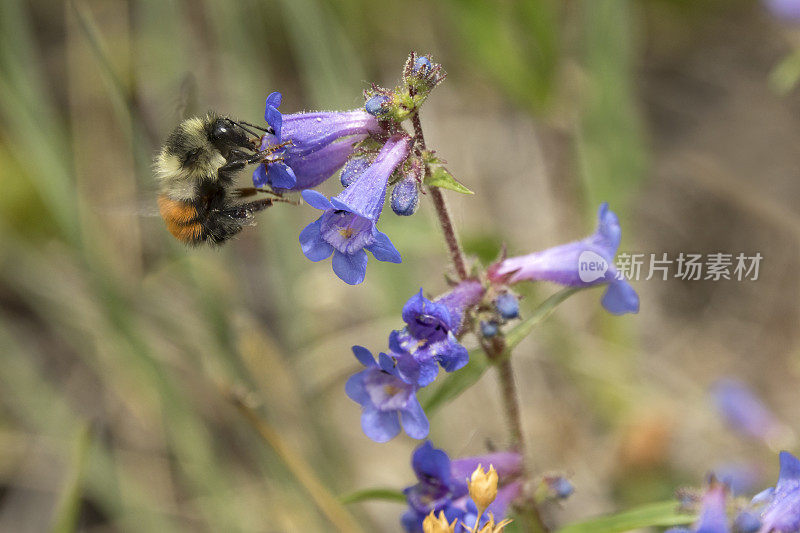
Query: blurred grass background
pixel 119 346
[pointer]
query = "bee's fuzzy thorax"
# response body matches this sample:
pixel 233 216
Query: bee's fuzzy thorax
pixel 187 158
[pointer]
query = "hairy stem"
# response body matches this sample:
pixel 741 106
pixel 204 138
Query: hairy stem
pixel 446 223
pixel 496 351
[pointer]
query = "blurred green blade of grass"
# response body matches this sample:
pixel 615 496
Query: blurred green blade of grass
pixel 651 515
pixel 68 509
pixel 330 67
pixel 41 407
pixel 517 44
pixel 31 123
pixel 611 147
pixel 364 495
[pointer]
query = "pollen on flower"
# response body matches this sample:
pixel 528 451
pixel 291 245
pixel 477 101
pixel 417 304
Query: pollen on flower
pixel 391 390
pixel 347 232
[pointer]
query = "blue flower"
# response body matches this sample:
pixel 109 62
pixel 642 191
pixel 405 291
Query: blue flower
pixel 578 264
pixel 386 400
pixel 347 226
pixel 320 144
pixel 442 486
pixel 781 512
pixel 744 412
pixel 429 338
pixel 713 515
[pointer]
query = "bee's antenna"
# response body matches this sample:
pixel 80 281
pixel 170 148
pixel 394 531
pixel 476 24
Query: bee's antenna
pixel 265 130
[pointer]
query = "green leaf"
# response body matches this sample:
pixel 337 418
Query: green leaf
pixel 457 382
pixel 441 177
pixel 545 309
pixel 654 514
pixel 384 494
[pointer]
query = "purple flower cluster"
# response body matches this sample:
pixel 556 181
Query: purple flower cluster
pixel 442 486
pixel 387 390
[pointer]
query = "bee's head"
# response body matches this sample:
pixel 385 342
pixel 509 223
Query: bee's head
pixel 227 135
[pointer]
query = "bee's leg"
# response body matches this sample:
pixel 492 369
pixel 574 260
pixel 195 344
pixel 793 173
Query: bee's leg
pixel 246 210
pixel 259 156
pixel 244 192
pixel 237 160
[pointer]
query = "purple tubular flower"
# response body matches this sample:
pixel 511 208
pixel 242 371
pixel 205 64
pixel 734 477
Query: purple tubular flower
pixel 578 264
pixel 429 338
pixel 352 169
pixel 348 225
pixel 442 486
pixel 321 143
pixel 713 516
pixel 781 513
pixel 386 400
pixel 743 411
pixel 746 522
pixel 788 10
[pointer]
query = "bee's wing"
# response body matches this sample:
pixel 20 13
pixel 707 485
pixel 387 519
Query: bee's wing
pixel 186 101
pixel 139 207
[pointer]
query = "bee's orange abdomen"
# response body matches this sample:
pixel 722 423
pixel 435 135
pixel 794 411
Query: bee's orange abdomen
pixel 181 219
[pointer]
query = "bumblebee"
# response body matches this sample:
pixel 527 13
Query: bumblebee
pixel 195 170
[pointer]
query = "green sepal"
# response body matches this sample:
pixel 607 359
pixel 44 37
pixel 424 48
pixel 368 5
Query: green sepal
pixel 440 177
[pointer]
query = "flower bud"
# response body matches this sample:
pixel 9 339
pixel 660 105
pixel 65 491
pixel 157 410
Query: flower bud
pixel 483 487
pixel 507 305
pixel 561 487
pixel 405 197
pixel 422 65
pixel 376 105
pixel 352 169
pixel 489 329
pixel 432 524
pixel 747 522
pixel 553 488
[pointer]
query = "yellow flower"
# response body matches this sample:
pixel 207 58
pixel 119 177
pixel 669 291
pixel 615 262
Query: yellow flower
pixel 490 526
pixel 431 524
pixel 483 487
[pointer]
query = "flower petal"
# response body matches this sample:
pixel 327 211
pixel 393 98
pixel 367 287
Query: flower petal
pixel 414 421
pixel 274 99
pixel 620 298
pixel 364 356
pixel 355 390
pixel 275 119
pixel 383 249
pixel 260 176
pixel 452 355
pixel 317 200
pixel 429 462
pixel 380 426
pixel 350 268
pixel 314 248
pixel 280 176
